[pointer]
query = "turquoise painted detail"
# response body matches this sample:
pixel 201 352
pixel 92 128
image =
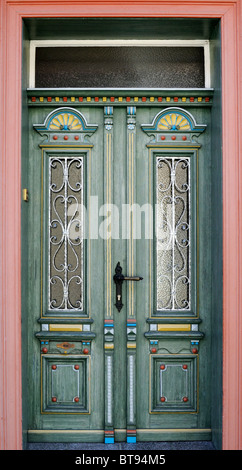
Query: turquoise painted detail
pixel 131 439
pixel 109 440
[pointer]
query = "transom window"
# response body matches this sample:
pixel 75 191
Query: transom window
pixel 119 64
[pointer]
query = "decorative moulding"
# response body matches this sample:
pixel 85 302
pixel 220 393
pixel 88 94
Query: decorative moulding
pixel 173 125
pixel 119 97
pixel 65 125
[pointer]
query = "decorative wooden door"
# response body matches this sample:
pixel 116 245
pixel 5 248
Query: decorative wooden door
pixel 119 266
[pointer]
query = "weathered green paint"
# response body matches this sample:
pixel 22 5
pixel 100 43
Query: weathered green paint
pixel 120 171
pixel 39 378
pixel 170 343
pixel 149 428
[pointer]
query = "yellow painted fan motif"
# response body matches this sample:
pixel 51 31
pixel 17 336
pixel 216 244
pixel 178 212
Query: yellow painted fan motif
pixel 174 122
pixel 65 121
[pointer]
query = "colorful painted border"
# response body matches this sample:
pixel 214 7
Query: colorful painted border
pixel 203 97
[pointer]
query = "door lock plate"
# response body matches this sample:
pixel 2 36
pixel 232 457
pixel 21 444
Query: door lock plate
pixel 118 279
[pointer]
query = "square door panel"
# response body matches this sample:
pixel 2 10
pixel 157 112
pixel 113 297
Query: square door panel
pixel 65 384
pixel 173 383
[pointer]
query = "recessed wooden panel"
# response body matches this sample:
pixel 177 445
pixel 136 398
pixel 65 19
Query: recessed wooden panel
pixel 65 384
pixel 173 386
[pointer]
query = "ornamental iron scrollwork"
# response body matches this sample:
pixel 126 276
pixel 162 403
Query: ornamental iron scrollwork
pixel 173 233
pixel 65 251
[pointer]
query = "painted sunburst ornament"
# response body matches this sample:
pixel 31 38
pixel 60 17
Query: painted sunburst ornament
pixel 174 122
pixel 67 125
pixel 66 122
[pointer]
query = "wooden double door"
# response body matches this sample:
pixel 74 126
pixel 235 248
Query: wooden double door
pixel 119 301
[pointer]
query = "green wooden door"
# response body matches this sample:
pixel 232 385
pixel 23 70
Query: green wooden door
pixel 119 186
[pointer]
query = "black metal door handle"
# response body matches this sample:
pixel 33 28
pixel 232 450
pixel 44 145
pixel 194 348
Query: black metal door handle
pixel 118 279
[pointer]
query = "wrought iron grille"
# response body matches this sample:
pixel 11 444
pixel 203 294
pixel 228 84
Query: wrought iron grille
pixel 173 233
pixel 65 250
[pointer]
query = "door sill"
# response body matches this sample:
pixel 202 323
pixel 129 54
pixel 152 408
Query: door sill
pixel 97 436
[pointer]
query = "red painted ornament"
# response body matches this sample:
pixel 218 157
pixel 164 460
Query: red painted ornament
pixel 76 137
pixel 76 399
pixel 162 399
pixel 54 399
pixel 162 367
pixel 66 137
pixel 184 138
pixel 85 351
pixel 76 366
pixel 194 350
pixel 184 366
pixel 163 137
pixel 54 367
pixel 55 137
pixel 44 350
pixel 185 399
pixel 153 350
pixel 173 137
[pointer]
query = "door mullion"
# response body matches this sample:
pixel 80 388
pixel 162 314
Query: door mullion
pixel 131 316
pixel 108 319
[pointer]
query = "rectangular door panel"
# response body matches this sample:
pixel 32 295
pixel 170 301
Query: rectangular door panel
pixel 65 384
pixel 173 306
pixel 66 298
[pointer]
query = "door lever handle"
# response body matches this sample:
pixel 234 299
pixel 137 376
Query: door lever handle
pixel 134 278
pixel 118 279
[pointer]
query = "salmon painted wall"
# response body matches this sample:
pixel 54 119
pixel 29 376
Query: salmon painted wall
pixel 11 14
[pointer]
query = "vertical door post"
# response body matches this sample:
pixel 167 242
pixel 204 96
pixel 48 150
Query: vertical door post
pixel 131 314
pixel 108 321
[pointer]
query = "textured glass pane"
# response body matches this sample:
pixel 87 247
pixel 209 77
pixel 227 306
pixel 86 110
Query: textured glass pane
pixel 173 233
pixel 65 249
pixel 117 67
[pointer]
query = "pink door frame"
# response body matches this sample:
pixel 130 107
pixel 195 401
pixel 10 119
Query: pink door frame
pixel 12 12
